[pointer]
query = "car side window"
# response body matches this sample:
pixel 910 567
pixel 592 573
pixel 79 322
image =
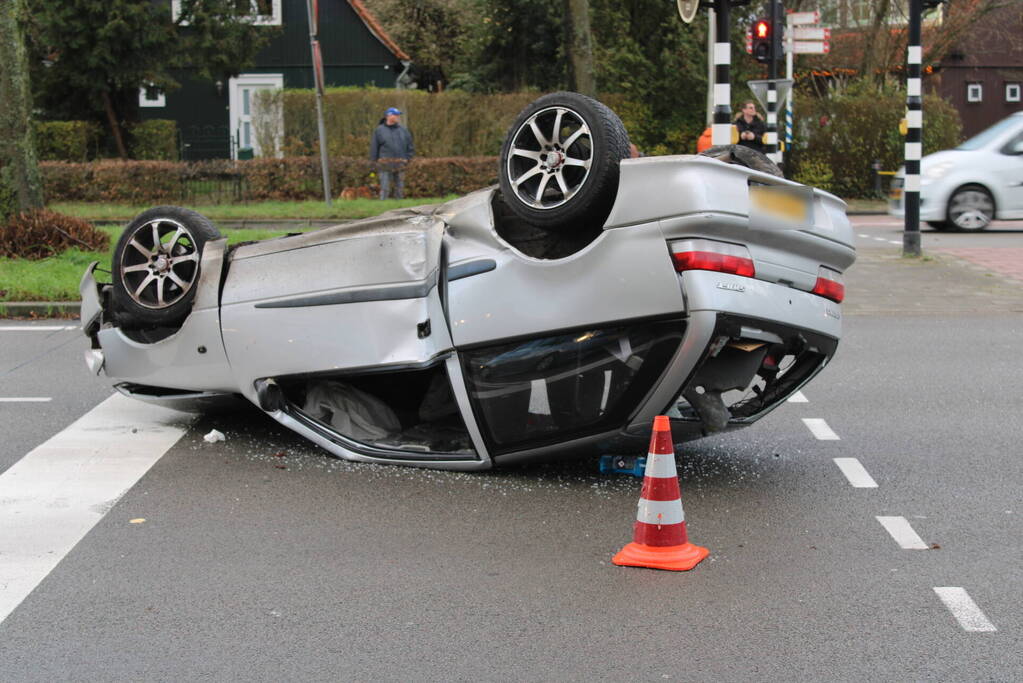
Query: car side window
pixel 1014 146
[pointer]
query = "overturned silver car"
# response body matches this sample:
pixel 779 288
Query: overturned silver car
pixel 552 316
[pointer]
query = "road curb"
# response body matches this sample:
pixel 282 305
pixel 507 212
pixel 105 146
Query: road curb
pixel 40 309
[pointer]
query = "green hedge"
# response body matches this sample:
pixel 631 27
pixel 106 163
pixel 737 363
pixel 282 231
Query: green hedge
pixel 842 135
pixel 66 140
pixel 149 182
pixel 154 140
pixel 448 124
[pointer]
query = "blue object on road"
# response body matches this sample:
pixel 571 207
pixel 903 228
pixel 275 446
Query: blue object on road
pixel 623 464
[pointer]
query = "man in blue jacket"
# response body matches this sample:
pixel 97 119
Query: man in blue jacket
pixel 391 146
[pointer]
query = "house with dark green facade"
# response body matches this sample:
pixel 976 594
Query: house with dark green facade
pixel 215 119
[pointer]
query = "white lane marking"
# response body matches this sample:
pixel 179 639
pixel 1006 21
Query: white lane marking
pixel 964 609
pixel 797 397
pixel 36 328
pixel 855 473
pixel 820 429
pixel 25 399
pixel 866 237
pixel 54 495
pixel 886 224
pixel 879 239
pixel 894 242
pixel 903 533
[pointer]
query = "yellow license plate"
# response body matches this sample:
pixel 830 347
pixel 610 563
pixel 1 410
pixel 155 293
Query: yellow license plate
pixel 780 202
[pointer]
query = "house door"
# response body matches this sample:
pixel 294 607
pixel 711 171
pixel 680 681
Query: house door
pixel 249 126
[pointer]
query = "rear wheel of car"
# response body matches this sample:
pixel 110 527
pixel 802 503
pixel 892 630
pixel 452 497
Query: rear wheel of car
pixel 743 156
pixel 156 265
pixel 971 208
pixel 559 163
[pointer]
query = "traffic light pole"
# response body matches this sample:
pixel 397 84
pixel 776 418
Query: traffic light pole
pixel 721 133
pixel 914 137
pixel 772 87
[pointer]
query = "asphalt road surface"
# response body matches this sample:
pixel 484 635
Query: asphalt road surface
pixel 871 532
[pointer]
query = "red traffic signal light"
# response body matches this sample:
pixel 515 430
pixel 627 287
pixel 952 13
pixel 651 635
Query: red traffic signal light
pixel 766 46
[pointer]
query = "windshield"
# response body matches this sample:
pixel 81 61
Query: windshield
pixel 985 137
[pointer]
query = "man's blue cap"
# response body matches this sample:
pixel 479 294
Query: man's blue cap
pixel 393 110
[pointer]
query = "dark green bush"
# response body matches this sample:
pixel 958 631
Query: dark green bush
pixel 259 179
pixel 154 140
pixel 453 123
pixel 858 124
pixel 66 140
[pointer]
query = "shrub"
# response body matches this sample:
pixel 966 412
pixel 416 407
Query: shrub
pixel 155 140
pixel 449 124
pixel 39 233
pixel 263 179
pixel 66 140
pixel 856 125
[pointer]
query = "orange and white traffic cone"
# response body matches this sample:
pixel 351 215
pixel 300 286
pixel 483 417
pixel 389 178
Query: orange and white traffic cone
pixel 659 538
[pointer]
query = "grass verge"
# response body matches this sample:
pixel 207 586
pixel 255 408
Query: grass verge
pixel 57 278
pixel 315 210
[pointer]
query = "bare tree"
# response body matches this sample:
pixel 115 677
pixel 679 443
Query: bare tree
pixel 579 46
pixel 17 146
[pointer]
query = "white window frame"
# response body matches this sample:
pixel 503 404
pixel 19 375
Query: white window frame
pixel 146 101
pixel 974 92
pixel 257 19
pixel 1012 92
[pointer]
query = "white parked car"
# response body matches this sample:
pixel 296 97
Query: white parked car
pixel 966 188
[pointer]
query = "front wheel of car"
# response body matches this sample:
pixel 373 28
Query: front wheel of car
pixel 560 162
pixel 156 266
pixel 971 208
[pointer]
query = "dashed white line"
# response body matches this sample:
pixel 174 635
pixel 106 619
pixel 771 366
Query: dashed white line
pixel 855 473
pixel 894 242
pixel 866 237
pixel 36 328
pixel 54 495
pixel 964 609
pixel 797 397
pixel 903 533
pixel 820 429
pixel 25 399
pixel 879 239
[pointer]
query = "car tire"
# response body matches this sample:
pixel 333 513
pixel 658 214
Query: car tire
pixel 560 162
pixel 743 156
pixel 156 266
pixel 971 208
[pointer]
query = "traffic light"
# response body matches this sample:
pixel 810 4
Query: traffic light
pixel 762 35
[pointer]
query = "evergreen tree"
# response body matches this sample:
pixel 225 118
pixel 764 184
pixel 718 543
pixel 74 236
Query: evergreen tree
pixel 97 54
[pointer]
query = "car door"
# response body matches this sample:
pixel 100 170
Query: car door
pixel 1010 175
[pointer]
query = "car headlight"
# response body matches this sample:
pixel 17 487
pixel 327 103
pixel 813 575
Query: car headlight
pixel 937 171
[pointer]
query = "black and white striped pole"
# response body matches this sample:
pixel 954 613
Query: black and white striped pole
pixel 772 86
pixel 721 132
pixel 914 138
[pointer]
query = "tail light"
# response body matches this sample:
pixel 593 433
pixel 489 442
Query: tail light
pixel 829 284
pixel 698 254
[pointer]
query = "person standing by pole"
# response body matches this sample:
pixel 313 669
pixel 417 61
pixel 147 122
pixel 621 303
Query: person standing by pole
pixel 391 148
